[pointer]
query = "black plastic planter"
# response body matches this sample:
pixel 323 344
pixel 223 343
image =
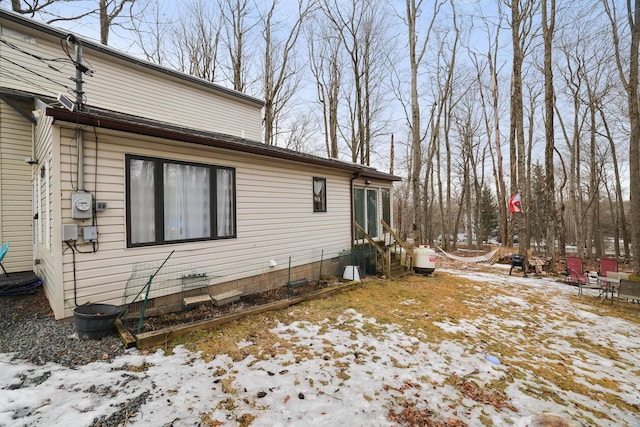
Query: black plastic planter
pixel 94 321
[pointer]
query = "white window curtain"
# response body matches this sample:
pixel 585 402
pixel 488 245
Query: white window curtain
pixel 319 195
pixel 225 208
pixel 186 202
pixel 141 191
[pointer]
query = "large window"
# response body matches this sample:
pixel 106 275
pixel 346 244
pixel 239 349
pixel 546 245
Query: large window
pixel 169 201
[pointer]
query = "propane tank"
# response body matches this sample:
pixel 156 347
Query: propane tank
pixel 424 260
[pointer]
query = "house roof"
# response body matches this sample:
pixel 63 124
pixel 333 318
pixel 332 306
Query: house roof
pixel 109 119
pixel 88 44
pixel 142 126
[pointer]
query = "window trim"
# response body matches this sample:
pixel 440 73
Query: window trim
pixel 159 200
pixel 324 193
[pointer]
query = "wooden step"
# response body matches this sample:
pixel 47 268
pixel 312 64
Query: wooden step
pixel 226 297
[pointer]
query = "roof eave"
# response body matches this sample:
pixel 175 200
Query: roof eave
pixel 223 141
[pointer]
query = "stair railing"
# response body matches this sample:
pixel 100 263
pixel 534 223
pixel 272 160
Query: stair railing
pixel 402 243
pixel 384 253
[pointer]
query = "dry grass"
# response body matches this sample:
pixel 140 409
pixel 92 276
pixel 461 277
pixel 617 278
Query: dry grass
pixel 419 306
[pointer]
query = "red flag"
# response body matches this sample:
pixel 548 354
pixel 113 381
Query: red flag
pixel 515 203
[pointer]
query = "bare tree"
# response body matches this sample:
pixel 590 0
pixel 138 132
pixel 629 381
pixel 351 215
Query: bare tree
pixel 472 174
pixel 630 84
pixel 417 50
pixel 296 137
pixel 522 12
pixel 446 100
pixel 152 34
pixel 326 67
pixel 619 216
pixel 548 26
pixel 108 11
pixel 280 70
pixel 359 25
pixel 196 38
pixel 31 8
pixel 236 23
pixel 588 71
pixel 574 83
pixel 491 115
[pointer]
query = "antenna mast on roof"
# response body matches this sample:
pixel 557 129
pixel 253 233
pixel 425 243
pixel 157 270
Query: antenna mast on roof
pixel 80 70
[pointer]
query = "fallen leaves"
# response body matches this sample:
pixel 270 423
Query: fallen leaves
pixel 415 412
pixel 490 396
pixel 413 416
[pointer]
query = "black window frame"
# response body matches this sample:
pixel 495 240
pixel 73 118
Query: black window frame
pixel 159 200
pixel 323 208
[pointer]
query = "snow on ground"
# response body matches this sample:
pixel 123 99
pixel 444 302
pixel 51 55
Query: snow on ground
pixel 348 375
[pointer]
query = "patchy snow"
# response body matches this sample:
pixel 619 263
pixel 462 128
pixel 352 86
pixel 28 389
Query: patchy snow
pixel 345 375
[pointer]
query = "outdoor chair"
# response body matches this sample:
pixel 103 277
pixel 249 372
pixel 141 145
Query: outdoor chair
pixel 575 273
pixel 3 252
pixel 577 276
pixel 606 265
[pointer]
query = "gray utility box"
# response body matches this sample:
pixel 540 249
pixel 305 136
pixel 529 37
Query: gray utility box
pixel 90 234
pixel 69 232
pixel 81 205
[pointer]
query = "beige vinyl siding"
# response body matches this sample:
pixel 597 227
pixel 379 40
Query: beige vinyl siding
pixel 15 189
pixel 48 207
pixel 122 86
pixel 275 218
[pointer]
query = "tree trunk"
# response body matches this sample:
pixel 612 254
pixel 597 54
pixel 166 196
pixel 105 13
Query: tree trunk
pixel 548 26
pixel 416 141
pixel 631 88
pixel 518 151
pixel 104 23
pixel 619 205
pixel 634 137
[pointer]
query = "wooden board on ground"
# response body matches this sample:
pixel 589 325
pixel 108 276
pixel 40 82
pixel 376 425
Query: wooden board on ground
pixel 226 297
pixel 196 300
pixel 127 339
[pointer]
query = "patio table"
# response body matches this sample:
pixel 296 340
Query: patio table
pixel 609 285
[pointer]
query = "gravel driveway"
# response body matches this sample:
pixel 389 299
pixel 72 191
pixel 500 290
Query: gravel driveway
pixel 29 331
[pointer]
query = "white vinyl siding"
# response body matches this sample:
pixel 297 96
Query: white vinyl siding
pixel 275 217
pixel 15 189
pixel 125 87
pixel 48 209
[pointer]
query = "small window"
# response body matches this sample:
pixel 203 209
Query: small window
pixel 319 194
